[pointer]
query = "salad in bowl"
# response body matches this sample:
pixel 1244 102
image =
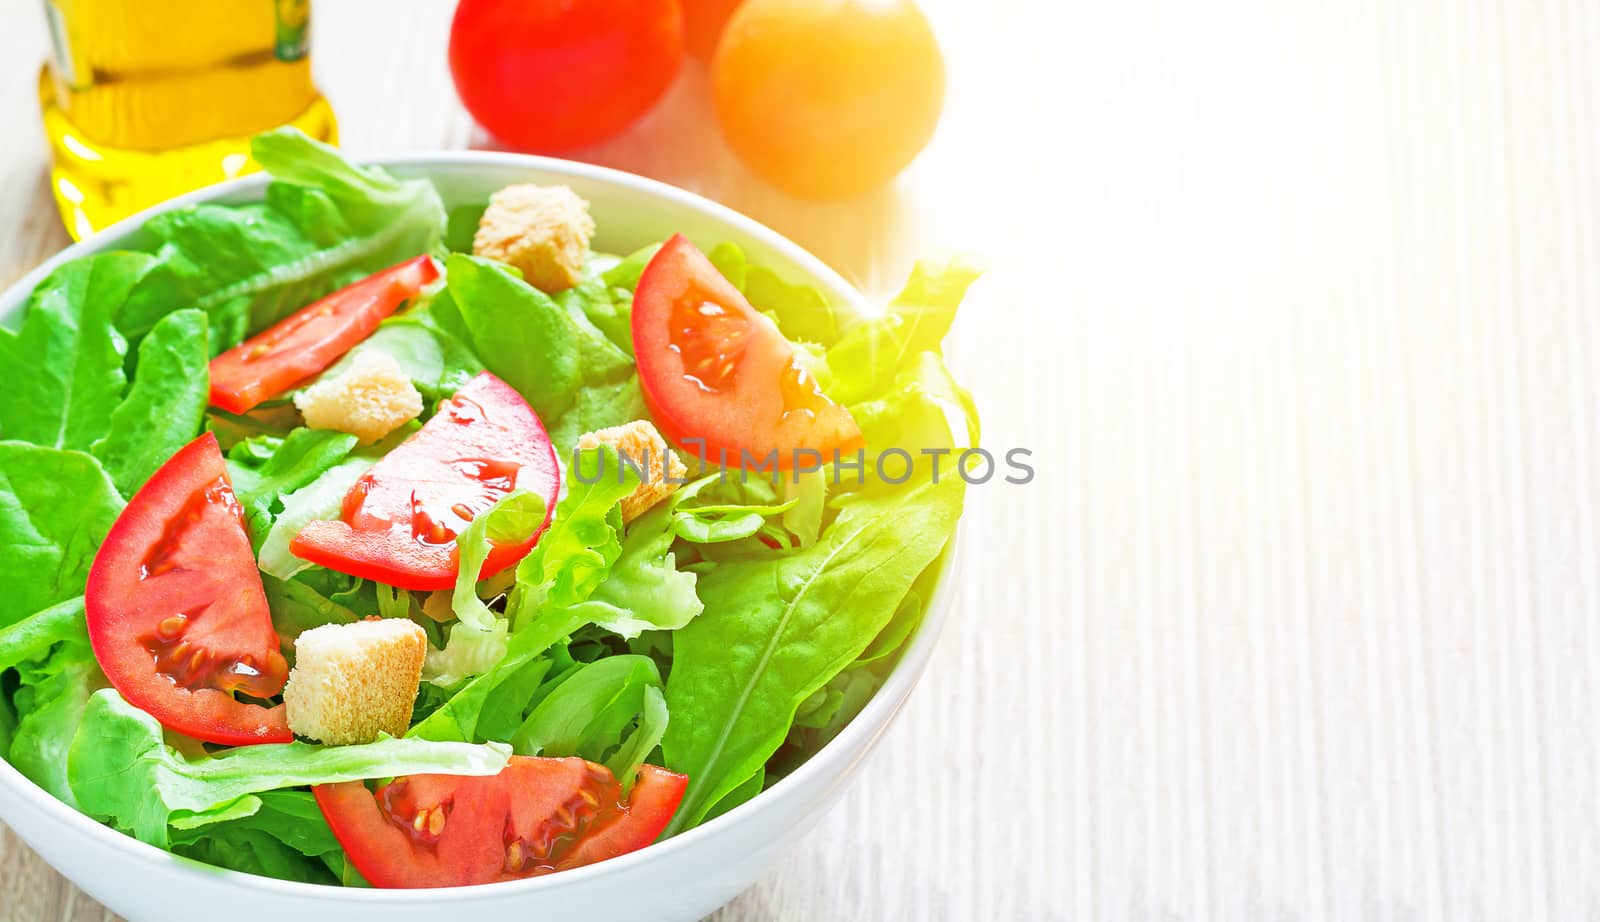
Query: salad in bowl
pixel 358 541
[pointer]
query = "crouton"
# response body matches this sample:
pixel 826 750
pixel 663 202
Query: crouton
pixel 351 682
pixel 370 399
pixel 543 231
pixel 639 444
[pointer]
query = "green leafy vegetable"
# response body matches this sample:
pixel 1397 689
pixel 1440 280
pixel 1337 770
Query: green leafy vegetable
pixel 437 363
pixel 865 361
pixel 478 640
pixel 165 405
pixel 777 627
pixel 55 509
pixel 120 767
pixel 553 584
pixel 51 708
pixel 587 714
pixel 36 635
pixel 549 354
pixel 325 223
pixel 322 498
pixel 64 368
pixel 297 460
pixel 645 590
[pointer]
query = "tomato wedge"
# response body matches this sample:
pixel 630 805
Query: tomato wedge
pixel 311 339
pixel 175 608
pixel 400 521
pixel 536 816
pixel 713 368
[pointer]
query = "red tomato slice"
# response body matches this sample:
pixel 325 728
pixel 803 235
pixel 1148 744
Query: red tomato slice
pixel 306 342
pixel 176 613
pixel 537 816
pixel 401 519
pixel 714 368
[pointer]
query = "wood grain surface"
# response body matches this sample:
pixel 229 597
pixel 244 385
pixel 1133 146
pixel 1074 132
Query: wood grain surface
pixel 1297 306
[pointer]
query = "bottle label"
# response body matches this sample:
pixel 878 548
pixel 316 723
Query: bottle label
pixel 293 29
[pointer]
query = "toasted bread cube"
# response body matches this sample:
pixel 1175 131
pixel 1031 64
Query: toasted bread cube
pixel 370 399
pixel 543 231
pixel 640 447
pixel 351 682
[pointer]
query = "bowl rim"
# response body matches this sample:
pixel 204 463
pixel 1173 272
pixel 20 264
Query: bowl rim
pixel 857 735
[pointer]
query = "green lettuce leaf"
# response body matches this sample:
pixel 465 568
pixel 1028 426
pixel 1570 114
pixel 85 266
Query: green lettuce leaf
pixel 293 462
pixel 324 223
pixel 51 709
pixel 322 498
pixel 35 636
pixel 121 768
pixel 65 367
pixel 284 836
pixel 165 405
pixel 55 509
pixel 478 639
pixel 645 590
pixel 437 363
pixel 554 583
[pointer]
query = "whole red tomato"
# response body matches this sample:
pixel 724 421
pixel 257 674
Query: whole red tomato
pixel 558 74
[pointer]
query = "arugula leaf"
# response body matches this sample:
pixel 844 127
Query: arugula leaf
pixel 589 711
pixel 165 405
pixel 777 627
pixel 324 223
pixel 120 767
pixel 64 368
pixel 55 509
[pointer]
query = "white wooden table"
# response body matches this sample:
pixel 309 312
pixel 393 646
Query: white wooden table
pixel 1298 307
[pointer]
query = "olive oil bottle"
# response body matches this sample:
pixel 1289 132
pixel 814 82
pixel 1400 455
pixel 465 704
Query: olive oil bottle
pixel 146 99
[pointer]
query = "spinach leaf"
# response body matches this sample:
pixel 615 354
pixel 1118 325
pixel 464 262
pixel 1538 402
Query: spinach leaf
pixel 55 509
pixel 165 405
pixel 863 363
pixel 120 767
pixel 551 355
pixel 65 367
pixel 778 627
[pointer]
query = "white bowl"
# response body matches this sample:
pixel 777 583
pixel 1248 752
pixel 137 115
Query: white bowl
pixel 683 878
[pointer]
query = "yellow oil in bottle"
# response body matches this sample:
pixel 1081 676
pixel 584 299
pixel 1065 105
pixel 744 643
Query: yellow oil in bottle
pixel 146 99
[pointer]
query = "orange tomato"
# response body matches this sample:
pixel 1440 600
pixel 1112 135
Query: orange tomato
pixel 702 24
pixel 828 98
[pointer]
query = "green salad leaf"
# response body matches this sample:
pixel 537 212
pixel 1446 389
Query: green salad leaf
pixel 779 626
pixel 65 366
pixel 864 363
pixel 290 464
pixel 164 407
pixel 51 709
pixel 553 585
pixel 645 590
pixel 283 836
pixel 121 768
pixel 556 358
pixel 55 508
pixel 324 223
